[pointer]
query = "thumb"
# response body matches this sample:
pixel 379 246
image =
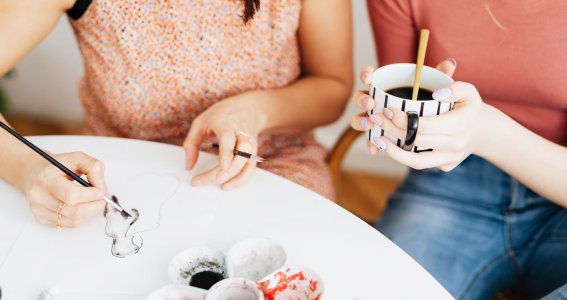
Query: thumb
pixel 448 66
pixel 457 92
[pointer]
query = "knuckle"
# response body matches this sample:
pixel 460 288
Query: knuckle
pixel 72 212
pixel 76 155
pixel 33 196
pixel 44 177
pixel 72 196
pixel 98 166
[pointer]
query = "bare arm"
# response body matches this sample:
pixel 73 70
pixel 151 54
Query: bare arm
pixel 23 24
pixel 536 162
pixel 319 97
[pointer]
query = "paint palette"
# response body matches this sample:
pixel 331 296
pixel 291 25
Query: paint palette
pixel 253 269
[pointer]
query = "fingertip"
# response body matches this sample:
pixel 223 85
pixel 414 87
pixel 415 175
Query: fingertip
pixel 366 75
pixel 453 62
pixel 379 142
pixel 442 94
pixel 196 182
pixel 372 150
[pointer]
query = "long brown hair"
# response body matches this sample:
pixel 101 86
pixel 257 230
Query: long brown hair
pixel 250 8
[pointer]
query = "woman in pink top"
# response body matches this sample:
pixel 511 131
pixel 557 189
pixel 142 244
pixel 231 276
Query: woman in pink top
pixel 253 75
pixel 485 211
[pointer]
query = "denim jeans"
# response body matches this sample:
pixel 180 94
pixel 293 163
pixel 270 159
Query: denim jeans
pixel 559 294
pixel 479 231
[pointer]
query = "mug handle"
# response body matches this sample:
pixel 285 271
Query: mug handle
pixel 411 133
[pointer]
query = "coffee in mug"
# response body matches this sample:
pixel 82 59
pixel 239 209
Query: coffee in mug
pixel 392 87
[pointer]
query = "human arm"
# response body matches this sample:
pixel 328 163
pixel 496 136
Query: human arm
pixel 23 24
pixel 475 127
pixel 318 97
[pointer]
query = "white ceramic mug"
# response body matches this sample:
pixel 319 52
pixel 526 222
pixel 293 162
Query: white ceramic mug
pixel 402 75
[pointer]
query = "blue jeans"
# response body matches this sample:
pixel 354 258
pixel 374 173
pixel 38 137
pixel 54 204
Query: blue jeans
pixel 479 231
pixel 559 294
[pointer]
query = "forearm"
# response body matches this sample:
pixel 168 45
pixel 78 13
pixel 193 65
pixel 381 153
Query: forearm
pixel 309 102
pixel 15 159
pixel 536 162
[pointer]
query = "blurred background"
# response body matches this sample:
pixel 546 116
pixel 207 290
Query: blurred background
pixel 43 99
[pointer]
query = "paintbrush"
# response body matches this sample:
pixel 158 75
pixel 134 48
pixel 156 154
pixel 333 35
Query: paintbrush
pixel 423 39
pixel 60 166
pixel 246 155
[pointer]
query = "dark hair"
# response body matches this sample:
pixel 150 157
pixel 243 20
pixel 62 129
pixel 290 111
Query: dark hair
pixel 250 8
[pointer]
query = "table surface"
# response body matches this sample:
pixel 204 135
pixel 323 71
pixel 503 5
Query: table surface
pixel 354 260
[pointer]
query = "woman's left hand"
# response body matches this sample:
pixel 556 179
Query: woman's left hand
pixel 236 123
pixel 453 136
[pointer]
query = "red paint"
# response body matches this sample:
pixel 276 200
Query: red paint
pixel 295 282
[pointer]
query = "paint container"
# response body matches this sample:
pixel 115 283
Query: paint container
pixel 254 259
pixel 178 292
pixel 235 288
pixel 292 282
pixel 198 267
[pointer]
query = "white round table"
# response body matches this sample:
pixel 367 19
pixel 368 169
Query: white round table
pixel 353 259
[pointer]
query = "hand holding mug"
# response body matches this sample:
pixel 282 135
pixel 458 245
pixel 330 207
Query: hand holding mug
pixel 452 136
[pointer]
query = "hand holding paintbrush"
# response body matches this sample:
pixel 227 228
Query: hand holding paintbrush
pixel 48 205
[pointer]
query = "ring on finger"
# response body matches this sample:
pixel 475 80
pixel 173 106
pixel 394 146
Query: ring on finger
pixel 60 214
pixel 244 134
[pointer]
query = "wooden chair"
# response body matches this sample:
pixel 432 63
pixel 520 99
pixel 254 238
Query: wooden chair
pixel 362 194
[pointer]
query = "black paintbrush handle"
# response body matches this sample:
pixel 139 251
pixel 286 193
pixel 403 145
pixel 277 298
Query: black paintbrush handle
pixel 236 152
pixel 45 155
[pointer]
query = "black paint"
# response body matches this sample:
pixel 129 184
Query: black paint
pixel 206 279
pixel 406 93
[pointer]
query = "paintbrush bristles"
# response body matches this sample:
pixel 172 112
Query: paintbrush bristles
pixel 423 39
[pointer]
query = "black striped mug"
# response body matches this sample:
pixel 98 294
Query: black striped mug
pixel 396 76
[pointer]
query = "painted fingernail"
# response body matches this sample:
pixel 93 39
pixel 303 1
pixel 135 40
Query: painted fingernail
pixel 376 120
pixel 453 61
pixel 388 113
pixel 366 77
pixel 379 142
pixel 223 177
pixel 363 122
pixel 367 103
pixel 442 94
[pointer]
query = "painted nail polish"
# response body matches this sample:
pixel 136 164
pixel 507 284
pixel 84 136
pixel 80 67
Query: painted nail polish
pixel 363 122
pixel 379 142
pixel 376 120
pixel 366 77
pixel 453 61
pixel 367 103
pixel 388 113
pixel 442 94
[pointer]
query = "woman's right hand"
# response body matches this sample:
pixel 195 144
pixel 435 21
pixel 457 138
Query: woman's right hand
pixel 47 186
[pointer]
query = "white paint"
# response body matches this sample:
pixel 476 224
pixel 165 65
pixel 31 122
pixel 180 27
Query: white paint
pixel 45 85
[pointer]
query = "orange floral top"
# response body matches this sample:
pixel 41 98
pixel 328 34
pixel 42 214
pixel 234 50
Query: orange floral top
pixel 151 67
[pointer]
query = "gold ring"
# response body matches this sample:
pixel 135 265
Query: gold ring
pixel 60 214
pixel 242 133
